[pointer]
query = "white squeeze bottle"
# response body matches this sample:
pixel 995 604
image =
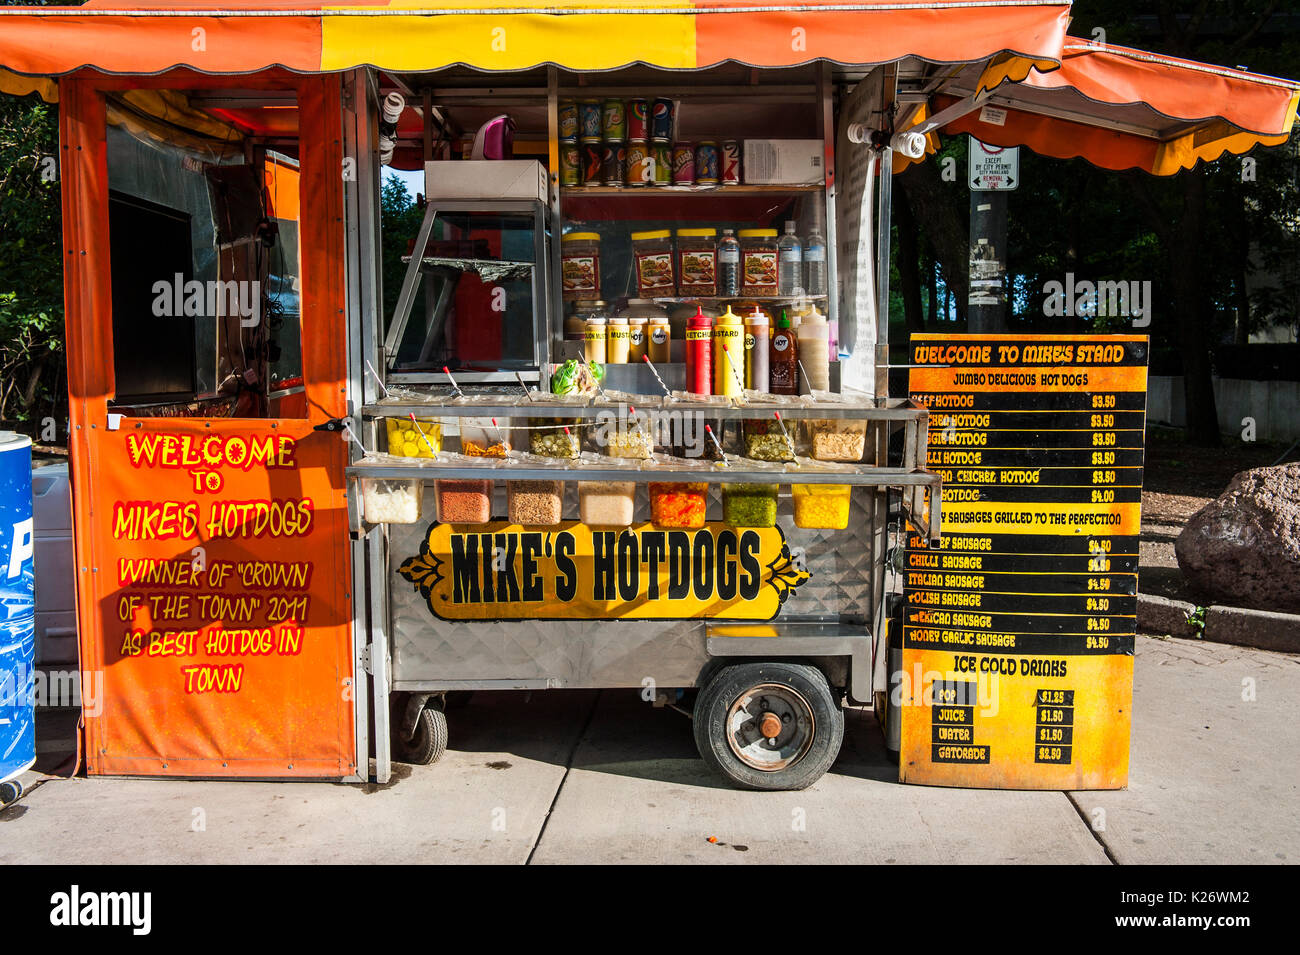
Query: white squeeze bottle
pixel 789 263
pixel 814 350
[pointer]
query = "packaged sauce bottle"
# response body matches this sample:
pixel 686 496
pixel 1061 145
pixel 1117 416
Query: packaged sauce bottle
pixel 699 354
pixel 756 351
pixel 728 354
pixel 636 328
pixel 659 340
pixel 783 359
pixel 814 352
pixel 618 341
pixel 595 340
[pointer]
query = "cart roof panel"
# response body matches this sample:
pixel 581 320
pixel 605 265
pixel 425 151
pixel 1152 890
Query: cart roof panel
pixel 237 36
pixel 1118 108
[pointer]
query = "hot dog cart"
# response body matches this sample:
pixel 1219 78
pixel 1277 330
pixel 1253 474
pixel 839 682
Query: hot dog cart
pixel 293 547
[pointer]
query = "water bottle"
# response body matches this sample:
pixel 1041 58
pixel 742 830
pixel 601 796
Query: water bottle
pixel 728 265
pixel 789 267
pixel 814 258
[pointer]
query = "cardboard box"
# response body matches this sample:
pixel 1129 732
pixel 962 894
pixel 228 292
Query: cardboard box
pixel 485 179
pixel 784 161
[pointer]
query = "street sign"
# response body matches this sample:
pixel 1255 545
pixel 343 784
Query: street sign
pixel 993 168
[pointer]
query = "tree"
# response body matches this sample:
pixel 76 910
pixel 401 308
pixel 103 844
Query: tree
pixel 32 365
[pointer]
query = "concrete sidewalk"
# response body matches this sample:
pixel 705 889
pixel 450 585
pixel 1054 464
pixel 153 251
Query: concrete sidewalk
pixel 602 777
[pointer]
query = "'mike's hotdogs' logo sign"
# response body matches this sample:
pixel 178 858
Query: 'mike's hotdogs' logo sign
pixel 574 572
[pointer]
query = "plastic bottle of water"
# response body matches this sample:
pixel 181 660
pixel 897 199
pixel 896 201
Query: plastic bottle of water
pixel 789 263
pixel 728 264
pixel 814 259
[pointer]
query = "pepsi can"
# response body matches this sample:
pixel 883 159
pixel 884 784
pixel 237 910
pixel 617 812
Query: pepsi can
pixel 661 119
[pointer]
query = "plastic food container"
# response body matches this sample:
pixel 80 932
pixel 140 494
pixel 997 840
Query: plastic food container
pixel 766 441
pixel 463 502
pixel 749 505
pixel 535 503
pixel 421 438
pixel 678 505
pixel 630 441
pixel 480 438
pixel 836 439
pixel 653 255
pixel 758 253
pixel 659 340
pixel 636 339
pixel 547 437
pixel 607 503
pixel 823 506
pixel 580 266
pixel 386 501
pixel 697 262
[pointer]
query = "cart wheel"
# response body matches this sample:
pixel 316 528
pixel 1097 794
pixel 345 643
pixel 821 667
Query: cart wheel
pixel 429 741
pixel 10 791
pixel 769 726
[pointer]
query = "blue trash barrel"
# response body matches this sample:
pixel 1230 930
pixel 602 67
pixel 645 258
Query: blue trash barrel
pixel 17 608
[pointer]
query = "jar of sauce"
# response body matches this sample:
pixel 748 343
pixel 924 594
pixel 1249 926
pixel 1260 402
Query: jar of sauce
pixel 617 341
pixel 697 262
pixel 580 266
pixel 652 254
pixel 659 342
pixel 758 261
pixel 636 339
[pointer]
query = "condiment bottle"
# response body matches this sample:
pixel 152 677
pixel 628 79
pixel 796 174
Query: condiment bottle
pixel 618 341
pixel 728 354
pixel 756 348
pixel 595 340
pixel 814 350
pixel 699 353
pixel 636 328
pixel 783 359
pixel 660 337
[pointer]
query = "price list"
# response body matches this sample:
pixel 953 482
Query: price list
pixel 1033 587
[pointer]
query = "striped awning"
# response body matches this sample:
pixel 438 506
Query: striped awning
pixel 238 36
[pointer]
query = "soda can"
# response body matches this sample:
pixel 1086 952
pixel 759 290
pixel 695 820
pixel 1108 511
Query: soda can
pixel 613 163
pixel 568 121
pixel 640 163
pixel 729 163
pixel 706 163
pixel 684 164
pixel 613 123
pixel 590 163
pixel 663 164
pixel 661 119
pixel 638 119
pixel 589 119
pixel 570 161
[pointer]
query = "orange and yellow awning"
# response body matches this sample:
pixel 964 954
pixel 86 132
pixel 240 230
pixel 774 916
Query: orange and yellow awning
pixel 141 36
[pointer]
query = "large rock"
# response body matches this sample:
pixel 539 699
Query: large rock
pixel 1243 548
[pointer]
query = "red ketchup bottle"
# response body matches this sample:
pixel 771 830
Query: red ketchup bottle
pixel 699 354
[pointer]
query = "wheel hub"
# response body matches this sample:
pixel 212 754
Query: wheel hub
pixel 770 727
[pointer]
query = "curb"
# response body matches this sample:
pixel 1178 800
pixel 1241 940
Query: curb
pixel 1261 629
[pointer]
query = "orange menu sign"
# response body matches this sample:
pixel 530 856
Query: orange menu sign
pixel 1019 627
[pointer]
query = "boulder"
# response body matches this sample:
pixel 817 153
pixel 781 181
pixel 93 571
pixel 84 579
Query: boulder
pixel 1243 548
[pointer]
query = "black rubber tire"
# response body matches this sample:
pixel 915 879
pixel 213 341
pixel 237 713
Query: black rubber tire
pixel 727 686
pixel 430 739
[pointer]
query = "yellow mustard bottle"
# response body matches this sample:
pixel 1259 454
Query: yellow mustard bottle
pixel 729 354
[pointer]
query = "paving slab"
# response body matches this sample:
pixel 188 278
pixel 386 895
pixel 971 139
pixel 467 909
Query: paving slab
pixel 485 802
pixel 639 793
pixel 1212 775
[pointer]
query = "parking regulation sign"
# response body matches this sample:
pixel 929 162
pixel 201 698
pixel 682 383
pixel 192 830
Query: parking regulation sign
pixel 993 168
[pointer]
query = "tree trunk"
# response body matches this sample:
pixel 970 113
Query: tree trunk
pixel 946 225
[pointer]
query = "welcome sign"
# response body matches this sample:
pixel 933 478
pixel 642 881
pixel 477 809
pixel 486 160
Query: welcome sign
pixel 503 571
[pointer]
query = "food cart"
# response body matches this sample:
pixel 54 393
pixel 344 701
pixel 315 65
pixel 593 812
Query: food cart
pixel 302 521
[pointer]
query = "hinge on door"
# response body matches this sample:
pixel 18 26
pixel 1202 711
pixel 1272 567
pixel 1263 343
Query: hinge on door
pixel 333 424
pixel 365 659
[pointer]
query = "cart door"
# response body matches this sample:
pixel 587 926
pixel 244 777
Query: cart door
pixel 206 357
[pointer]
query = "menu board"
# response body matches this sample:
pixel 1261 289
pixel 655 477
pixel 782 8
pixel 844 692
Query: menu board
pixel 1019 627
